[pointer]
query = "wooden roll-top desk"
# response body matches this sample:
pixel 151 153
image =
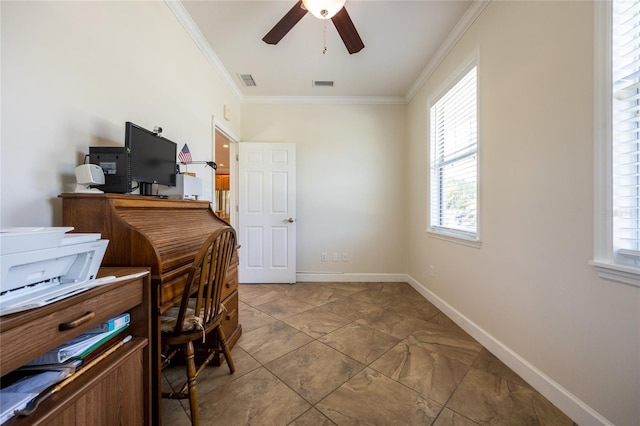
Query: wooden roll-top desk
pixel 164 235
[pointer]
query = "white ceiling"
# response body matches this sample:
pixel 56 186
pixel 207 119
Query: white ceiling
pixel 400 37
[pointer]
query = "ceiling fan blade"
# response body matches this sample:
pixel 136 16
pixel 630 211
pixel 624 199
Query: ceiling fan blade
pixel 285 24
pixel 347 31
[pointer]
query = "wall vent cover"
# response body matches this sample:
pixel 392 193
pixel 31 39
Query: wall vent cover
pixel 247 80
pixel 322 83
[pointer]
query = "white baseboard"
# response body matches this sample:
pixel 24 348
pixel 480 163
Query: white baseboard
pixel 572 406
pixel 345 277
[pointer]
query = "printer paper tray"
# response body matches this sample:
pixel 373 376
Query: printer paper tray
pixel 43 294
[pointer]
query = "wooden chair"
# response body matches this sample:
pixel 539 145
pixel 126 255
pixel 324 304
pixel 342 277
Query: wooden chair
pixel 181 326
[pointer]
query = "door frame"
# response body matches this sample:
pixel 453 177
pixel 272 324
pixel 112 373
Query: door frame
pixel 216 125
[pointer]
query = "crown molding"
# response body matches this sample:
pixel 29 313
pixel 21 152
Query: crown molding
pixel 196 35
pixel 388 100
pixel 452 39
pixel 449 43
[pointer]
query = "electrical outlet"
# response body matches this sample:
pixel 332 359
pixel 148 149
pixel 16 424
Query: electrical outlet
pixel 335 257
pixel 345 257
pixel 432 272
pixel 323 256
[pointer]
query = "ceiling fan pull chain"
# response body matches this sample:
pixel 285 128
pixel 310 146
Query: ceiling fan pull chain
pixel 324 36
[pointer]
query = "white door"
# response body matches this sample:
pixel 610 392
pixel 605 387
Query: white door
pixel 267 212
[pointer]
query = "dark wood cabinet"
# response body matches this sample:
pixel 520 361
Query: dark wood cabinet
pixel 117 390
pixel 164 235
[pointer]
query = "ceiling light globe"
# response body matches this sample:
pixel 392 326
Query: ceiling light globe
pixel 323 9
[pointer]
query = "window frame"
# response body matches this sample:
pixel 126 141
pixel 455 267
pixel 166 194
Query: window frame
pixel 604 259
pixel 443 233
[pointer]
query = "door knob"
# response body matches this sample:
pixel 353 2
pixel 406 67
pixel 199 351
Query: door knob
pixel 290 220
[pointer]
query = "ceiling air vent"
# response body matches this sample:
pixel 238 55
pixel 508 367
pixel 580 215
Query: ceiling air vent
pixel 322 83
pixel 247 80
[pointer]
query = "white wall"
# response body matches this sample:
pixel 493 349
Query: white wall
pixel 73 73
pixel 350 183
pixel 529 291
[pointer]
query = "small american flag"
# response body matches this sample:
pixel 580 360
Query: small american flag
pixel 184 155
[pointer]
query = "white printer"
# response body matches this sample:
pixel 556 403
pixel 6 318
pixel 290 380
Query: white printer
pixel 187 187
pixel 43 265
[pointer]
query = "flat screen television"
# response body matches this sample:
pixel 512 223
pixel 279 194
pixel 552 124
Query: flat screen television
pixel 152 158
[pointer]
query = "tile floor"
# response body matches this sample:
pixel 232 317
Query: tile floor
pixel 356 354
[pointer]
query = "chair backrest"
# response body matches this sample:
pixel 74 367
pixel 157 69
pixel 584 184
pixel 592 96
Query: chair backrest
pixel 203 290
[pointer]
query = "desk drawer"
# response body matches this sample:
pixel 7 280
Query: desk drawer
pixel 230 319
pixel 231 281
pixel 172 285
pixel 170 292
pixel 43 333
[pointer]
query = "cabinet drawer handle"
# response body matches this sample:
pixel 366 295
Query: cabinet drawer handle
pixel 73 324
pixel 231 314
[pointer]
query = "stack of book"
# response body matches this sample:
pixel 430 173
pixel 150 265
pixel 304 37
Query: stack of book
pixel 59 363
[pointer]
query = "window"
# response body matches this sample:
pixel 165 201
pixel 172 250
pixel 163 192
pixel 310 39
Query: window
pixel 617 251
pixel 454 160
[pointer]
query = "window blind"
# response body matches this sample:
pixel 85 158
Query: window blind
pixel 454 159
pixel 626 131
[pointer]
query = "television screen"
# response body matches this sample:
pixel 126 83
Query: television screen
pixel 152 157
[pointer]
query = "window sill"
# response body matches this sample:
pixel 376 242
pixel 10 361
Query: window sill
pixel 455 238
pixel 618 273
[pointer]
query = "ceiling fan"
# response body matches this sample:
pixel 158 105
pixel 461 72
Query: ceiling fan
pixel 322 9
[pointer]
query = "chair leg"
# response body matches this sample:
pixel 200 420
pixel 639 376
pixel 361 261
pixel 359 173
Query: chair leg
pixel 193 390
pixel 226 350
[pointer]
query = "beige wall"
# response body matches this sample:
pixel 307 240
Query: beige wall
pixel 350 182
pixel 73 73
pixel 529 290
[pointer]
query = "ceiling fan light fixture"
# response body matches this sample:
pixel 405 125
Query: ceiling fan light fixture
pixel 323 9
